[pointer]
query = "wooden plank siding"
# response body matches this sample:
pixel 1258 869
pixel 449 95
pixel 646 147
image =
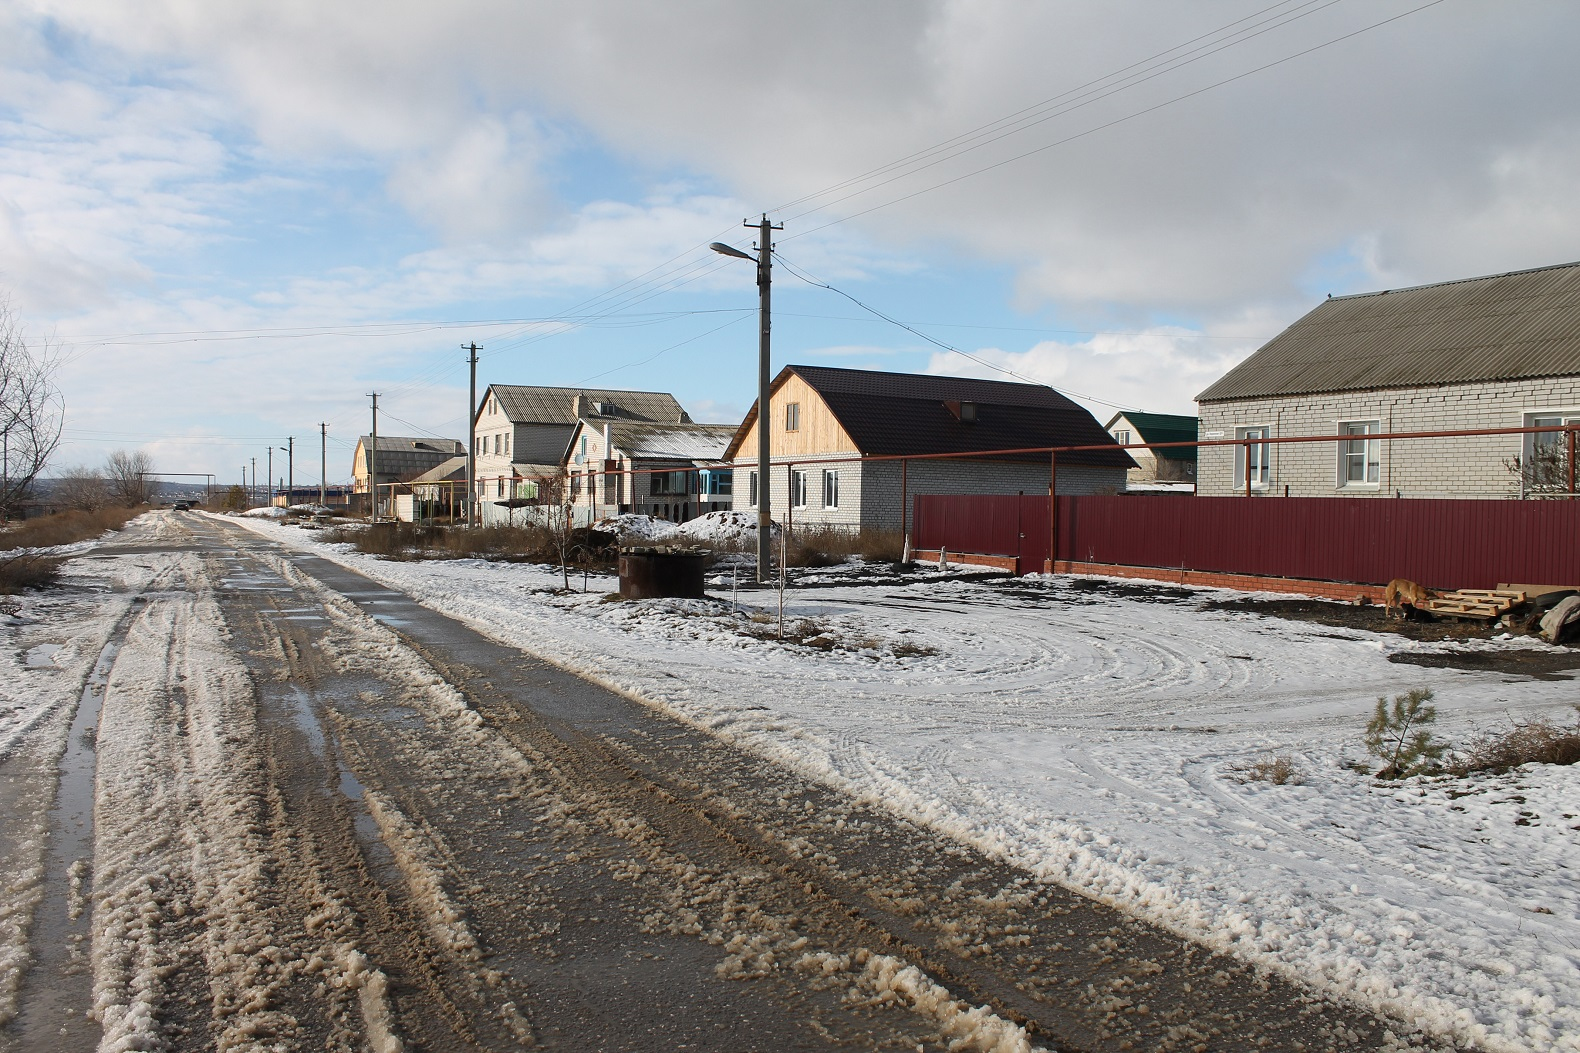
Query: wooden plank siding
pixel 820 432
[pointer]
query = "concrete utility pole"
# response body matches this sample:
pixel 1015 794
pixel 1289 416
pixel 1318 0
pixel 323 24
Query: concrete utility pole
pixel 290 470
pixel 323 463
pixel 765 263
pixel 269 478
pixel 252 491
pixel 471 439
pixel 373 461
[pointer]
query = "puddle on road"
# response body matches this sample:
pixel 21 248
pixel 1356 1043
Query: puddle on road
pixel 57 989
pixel 43 656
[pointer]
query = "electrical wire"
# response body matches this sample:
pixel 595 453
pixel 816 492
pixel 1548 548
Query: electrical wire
pixel 939 343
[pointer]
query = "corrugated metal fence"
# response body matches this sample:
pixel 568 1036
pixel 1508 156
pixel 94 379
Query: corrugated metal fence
pixel 1443 544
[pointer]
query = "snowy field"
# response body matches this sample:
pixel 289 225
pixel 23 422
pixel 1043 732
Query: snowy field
pixel 1097 741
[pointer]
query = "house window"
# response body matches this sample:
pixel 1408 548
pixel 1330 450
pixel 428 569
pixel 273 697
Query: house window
pixel 1122 437
pixel 576 485
pixel 751 480
pixel 668 483
pixel 792 416
pixel 581 451
pixel 830 489
pixel 507 444
pixel 1360 460
pixel 526 490
pixel 717 482
pixel 1544 467
pixel 798 486
pixel 499 486
pixel 1253 459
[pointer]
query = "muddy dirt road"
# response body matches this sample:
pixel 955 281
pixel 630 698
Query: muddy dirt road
pixel 324 817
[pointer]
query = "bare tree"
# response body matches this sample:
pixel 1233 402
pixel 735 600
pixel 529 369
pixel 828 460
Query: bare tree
pixel 31 412
pixel 554 503
pixel 82 488
pixel 126 476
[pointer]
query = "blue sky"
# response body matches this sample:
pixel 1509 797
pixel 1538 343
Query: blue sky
pixel 236 220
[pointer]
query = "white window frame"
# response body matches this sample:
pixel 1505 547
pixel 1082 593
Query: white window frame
pixel 751 489
pixel 798 489
pixel 1368 451
pixel 830 488
pixel 1261 457
pixel 1122 436
pixel 1536 418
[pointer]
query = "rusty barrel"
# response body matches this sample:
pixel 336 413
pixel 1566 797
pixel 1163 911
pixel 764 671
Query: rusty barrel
pixel 650 572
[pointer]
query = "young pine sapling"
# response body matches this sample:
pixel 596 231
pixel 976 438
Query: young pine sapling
pixel 1399 737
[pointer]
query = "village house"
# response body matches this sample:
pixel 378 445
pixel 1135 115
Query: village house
pixel 1176 464
pixel 668 471
pixel 521 434
pixel 401 458
pixel 1495 352
pixel 821 419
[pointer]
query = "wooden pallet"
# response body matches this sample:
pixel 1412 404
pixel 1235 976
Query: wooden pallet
pixel 1475 603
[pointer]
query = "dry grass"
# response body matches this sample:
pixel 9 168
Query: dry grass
pixel 821 636
pixel 63 528
pixel 1279 771
pixel 29 571
pixel 1523 742
pixel 827 546
pixel 532 543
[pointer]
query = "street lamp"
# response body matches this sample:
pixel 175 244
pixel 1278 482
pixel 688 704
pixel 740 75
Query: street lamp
pixel 764 261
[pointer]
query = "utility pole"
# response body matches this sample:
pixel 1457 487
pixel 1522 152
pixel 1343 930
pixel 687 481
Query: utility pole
pixel 373 460
pixel 471 439
pixel 270 477
pixel 290 470
pixel 252 491
pixel 323 463
pixel 765 263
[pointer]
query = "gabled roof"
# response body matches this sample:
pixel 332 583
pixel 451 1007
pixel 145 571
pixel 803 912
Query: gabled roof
pixel 402 455
pixel 1514 326
pixel 524 404
pixel 669 442
pixel 1162 427
pixel 450 469
pixel 907 414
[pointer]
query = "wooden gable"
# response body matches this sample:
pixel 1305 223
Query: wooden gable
pixel 818 433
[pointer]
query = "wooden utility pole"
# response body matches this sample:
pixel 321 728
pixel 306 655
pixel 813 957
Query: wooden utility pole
pixel 471 440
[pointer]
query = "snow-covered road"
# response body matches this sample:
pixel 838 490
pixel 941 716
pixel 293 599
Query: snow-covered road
pixel 1094 739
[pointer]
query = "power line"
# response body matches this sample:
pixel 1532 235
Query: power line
pixel 1101 127
pixel 939 343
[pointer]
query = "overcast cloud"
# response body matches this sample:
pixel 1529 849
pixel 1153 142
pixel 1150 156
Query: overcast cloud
pixel 196 165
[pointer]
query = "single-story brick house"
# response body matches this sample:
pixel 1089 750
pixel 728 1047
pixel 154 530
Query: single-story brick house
pixel 1173 464
pixel 822 417
pixel 1496 352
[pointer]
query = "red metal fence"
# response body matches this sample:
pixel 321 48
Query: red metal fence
pixel 1444 544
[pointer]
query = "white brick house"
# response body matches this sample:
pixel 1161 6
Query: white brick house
pixel 520 432
pixel 821 419
pixel 668 471
pixel 1495 352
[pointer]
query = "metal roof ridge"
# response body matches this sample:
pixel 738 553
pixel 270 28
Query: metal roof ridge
pixel 1452 281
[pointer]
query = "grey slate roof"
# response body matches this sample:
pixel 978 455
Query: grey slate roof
pixel 525 404
pixel 450 469
pixel 669 442
pixel 907 414
pixel 1515 326
pixel 404 456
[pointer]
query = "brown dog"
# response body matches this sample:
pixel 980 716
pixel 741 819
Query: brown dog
pixel 1401 591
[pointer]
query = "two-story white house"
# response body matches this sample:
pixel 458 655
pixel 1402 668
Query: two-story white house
pixel 520 435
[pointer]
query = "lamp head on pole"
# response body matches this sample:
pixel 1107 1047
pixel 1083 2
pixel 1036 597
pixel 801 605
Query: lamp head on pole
pixel 730 250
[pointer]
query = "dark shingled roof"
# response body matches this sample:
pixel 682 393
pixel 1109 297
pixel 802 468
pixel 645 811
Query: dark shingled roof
pixel 406 456
pixel 907 414
pixel 1505 327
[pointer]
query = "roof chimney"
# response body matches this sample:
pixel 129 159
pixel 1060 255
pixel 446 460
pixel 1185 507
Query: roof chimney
pixel 577 407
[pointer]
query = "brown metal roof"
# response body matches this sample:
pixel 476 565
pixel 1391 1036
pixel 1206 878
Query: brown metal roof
pixel 908 413
pixel 1505 327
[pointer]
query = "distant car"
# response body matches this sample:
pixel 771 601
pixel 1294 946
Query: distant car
pixel 182 506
